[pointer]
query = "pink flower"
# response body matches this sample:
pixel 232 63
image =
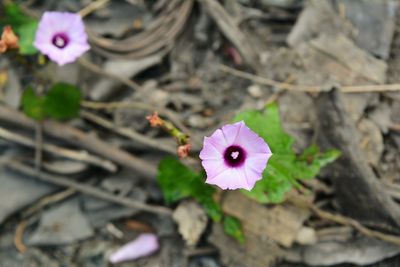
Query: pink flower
pixel 61 36
pixel 234 157
pixel 143 245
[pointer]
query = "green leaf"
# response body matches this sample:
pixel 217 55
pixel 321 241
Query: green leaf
pixel 312 160
pixel 63 101
pixel 14 15
pixel 33 105
pixel 233 227
pixel 174 179
pixel 267 124
pixel 284 168
pixel 178 181
pixel 25 27
pixel 26 34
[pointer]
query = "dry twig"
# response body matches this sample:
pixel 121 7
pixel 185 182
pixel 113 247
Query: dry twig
pixel 308 88
pixel 85 189
pixel 127 132
pixel 82 139
pixel 83 156
pixel 46 201
pixel 19 235
pixel 343 220
pixel 136 105
pixel 38 145
pixel 96 69
pixel 93 6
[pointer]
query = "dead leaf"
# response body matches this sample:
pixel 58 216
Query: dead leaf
pixel 257 251
pixel 280 223
pixel 192 221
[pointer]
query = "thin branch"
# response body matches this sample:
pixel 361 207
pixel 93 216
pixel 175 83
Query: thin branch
pixel 46 201
pixel 135 105
pixel 98 70
pixel 19 237
pixel 395 127
pixel 81 139
pixel 308 88
pixel 38 146
pixel 343 220
pixel 127 132
pixel 93 6
pixel 85 189
pixel 83 156
pixel 340 219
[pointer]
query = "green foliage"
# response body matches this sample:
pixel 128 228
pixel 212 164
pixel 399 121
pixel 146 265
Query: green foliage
pixel 233 227
pixel 61 102
pixel 284 167
pixel 283 171
pixel 32 104
pixel 25 27
pixel 26 33
pixel 178 181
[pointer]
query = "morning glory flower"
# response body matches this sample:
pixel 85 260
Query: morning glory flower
pixel 61 36
pixel 234 157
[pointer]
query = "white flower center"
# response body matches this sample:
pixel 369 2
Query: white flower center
pixel 59 41
pixel 235 154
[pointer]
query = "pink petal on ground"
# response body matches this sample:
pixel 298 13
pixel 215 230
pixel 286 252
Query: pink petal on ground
pixel 143 245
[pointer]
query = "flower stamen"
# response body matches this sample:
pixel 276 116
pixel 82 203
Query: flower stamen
pixel 234 156
pixel 60 40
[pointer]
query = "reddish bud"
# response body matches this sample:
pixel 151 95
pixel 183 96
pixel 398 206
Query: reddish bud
pixel 183 151
pixel 3 46
pixel 234 55
pixel 155 120
pixel 9 37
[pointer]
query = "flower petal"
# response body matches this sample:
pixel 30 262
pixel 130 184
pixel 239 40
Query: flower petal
pixel 214 167
pixel 257 161
pixel 143 245
pixel 70 24
pixel 217 140
pixel 231 178
pixel 251 141
pixel 252 176
pixel 222 169
pixel 210 151
pixel 231 132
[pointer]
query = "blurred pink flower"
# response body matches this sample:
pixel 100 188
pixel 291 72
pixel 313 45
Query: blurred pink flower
pixel 143 245
pixel 61 36
pixel 234 157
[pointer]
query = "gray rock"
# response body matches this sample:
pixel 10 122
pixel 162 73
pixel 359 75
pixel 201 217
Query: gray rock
pixel 381 117
pixel 360 251
pixel 283 3
pixel 32 258
pixel 62 224
pixel 204 262
pixel 13 90
pixel 18 191
pixel 374 22
pixel 124 69
pixel 100 212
